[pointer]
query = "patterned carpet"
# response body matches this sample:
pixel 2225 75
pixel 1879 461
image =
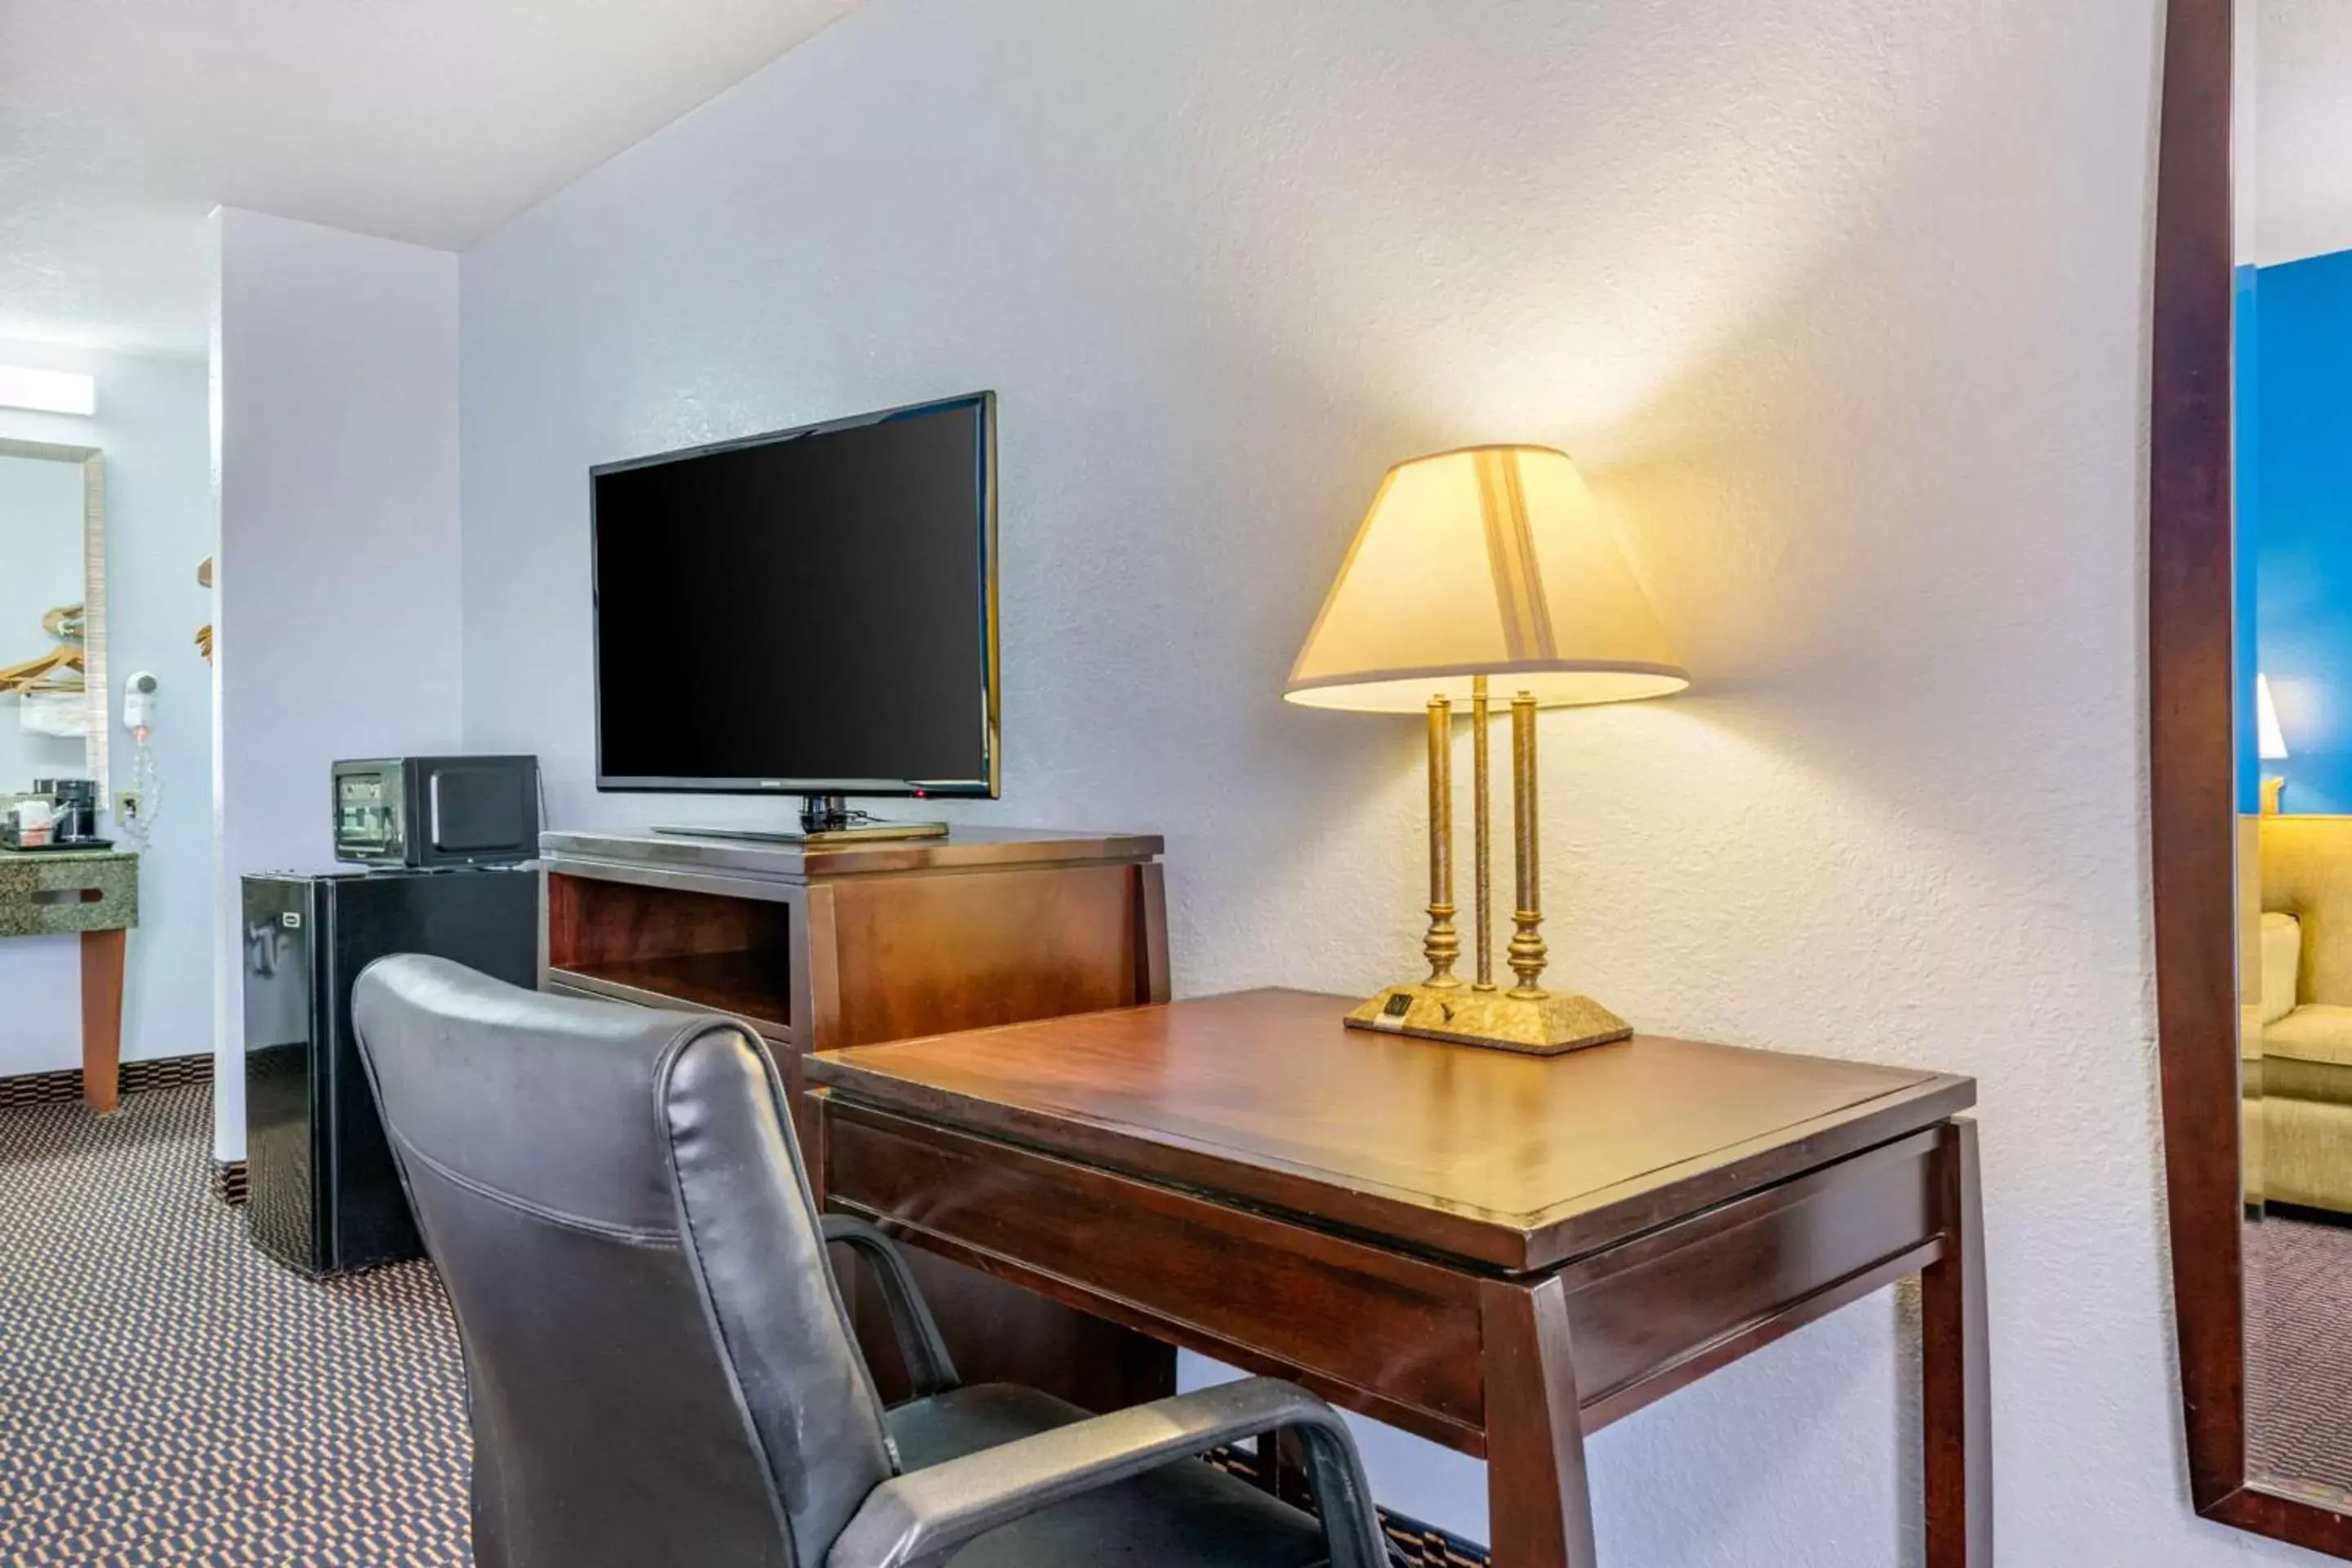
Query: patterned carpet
pixel 169 1396
pixel 2299 1351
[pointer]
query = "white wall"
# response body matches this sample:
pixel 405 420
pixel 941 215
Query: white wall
pixel 1840 303
pixel 334 370
pixel 151 426
pixel 2294 180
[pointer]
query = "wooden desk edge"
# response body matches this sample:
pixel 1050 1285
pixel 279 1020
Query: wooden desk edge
pixel 1909 1162
pixel 1528 1243
pixel 1761 1162
pixel 646 857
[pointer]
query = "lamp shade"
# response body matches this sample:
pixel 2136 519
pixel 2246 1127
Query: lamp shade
pixel 1488 560
pixel 2270 741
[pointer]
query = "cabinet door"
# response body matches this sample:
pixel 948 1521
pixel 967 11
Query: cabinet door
pixel 486 918
pixel 924 956
pixel 282 1108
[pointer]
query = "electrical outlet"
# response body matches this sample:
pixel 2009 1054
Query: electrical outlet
pixel 126 807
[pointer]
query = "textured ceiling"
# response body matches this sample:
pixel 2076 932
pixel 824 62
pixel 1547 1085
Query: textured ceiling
pixel 2302 126
pixel 122 122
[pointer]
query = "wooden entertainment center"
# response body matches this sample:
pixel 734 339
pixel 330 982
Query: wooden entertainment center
pixel 819 946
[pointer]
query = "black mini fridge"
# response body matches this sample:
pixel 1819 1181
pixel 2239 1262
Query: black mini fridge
pixel 323 1194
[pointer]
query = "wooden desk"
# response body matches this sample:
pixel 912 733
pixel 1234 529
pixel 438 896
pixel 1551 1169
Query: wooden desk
pixel 94 892
pixel 1501 1253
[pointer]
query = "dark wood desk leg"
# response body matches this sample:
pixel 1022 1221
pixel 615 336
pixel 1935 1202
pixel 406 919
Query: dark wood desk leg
pixel 1538 1509
pixel 1958 1392
pixel 101 1017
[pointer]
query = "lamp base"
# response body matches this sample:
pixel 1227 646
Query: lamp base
pixel 1548 1026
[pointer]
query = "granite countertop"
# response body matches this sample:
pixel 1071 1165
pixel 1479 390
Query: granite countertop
pixel 8 854
pixel 49 892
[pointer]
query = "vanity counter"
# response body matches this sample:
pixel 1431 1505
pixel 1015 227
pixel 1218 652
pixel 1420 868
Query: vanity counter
pixel 45 892
pixel 93 893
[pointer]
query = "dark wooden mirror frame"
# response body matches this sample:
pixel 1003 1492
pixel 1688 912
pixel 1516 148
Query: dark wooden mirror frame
pixel 2191 779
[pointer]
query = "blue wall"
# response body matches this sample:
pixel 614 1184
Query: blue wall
pixel 2294 498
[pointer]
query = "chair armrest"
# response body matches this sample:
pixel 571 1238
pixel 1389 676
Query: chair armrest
pixel 929 1366
pixel 918 1519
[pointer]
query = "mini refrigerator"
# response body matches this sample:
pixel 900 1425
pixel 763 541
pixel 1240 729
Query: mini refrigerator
pixel 324 1194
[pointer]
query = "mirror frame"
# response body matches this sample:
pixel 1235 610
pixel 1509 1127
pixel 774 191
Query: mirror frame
pixel 94 603
pixel 2192 806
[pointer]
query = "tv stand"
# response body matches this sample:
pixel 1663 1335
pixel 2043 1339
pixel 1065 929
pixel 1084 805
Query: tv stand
pixel 825 819
pixel 819 946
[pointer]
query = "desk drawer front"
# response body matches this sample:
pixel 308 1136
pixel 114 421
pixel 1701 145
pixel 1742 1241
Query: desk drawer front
pixel 1397 1328
pixel 1651 1315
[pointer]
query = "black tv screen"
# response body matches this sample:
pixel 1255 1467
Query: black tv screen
pixel 810 611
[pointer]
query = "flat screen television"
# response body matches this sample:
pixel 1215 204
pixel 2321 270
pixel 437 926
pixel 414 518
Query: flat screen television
pixel 809 612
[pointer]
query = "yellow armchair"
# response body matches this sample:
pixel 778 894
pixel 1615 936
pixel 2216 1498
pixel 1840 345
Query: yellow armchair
pixel 2301 982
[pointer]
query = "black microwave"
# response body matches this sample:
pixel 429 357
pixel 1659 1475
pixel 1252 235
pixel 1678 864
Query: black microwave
pixel 437 811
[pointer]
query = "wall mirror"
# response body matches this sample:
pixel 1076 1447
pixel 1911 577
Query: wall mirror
pixel 53 706
pixel 2251 761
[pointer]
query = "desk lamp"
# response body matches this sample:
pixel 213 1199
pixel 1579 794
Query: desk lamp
pixel 2270 742
pixel 1490 563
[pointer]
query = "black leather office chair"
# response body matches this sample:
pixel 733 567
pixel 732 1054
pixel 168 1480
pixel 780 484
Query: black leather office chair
pixel 660 1373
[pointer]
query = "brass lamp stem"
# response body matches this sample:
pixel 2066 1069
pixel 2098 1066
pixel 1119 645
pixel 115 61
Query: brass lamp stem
pixel 1526 946
pixel 1442 946
pixel 1526 1017
pixel 1479 832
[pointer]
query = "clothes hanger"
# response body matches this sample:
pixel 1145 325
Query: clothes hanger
pixel 40 674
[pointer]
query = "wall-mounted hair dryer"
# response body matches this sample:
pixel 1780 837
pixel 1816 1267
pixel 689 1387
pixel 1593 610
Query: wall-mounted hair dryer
pixel 135 808
pixel 139 701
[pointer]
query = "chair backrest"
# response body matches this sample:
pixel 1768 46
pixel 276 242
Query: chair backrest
pixel 660 1371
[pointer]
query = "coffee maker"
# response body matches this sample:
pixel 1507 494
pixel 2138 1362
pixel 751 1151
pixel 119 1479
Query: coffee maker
pixel 73 808
pixel 60 813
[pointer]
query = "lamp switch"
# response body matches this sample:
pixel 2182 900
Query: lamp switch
pixel 127 804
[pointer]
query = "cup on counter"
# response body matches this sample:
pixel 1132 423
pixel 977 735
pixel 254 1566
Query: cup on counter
pixel 35 821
